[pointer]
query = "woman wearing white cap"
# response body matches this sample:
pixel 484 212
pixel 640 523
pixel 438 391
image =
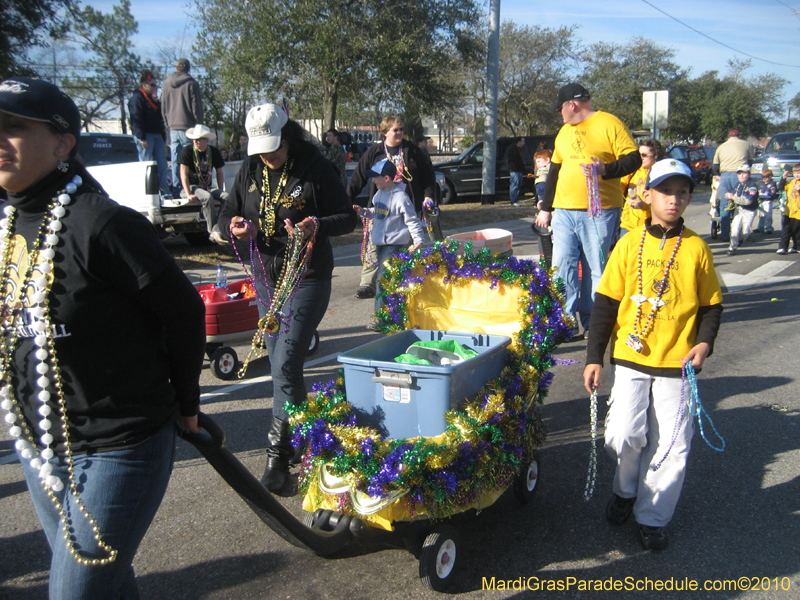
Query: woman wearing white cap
pixel 286 185
pixel 101 347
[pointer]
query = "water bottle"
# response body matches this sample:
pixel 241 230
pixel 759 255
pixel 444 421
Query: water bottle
pixel 222 278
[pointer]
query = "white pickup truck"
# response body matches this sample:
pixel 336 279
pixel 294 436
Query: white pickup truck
pixel 113 160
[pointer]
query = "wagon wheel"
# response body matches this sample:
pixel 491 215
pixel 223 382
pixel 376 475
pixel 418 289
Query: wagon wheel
pixel 527 480
pixel 437 562
pixel 314 346
pixel 224 363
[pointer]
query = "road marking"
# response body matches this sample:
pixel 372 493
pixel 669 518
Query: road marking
pixel 11 458
pixel 237 385
pixel 766 274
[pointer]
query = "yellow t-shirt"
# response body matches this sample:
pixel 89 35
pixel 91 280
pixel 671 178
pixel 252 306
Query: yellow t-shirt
pixel 692 282
pixel 793 199
pixel 633 217
pixel 602 135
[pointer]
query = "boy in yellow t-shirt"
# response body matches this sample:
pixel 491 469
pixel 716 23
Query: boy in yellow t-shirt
pixel 791 221
pixel 659 304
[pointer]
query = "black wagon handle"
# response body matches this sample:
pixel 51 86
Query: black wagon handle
pixel 211 444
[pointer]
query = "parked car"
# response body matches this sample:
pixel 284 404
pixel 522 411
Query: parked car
pixel 113 160
pixel 782 148
pixel 695 158
pixel 464 174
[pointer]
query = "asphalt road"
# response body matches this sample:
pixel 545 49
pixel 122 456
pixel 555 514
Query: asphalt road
pixel 737 523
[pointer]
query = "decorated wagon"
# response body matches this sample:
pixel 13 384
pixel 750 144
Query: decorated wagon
pixel 393 449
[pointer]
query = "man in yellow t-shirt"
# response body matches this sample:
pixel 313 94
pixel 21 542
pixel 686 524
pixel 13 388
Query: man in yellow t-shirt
pixel 588 137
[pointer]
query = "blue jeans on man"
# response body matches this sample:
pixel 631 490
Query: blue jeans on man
pixel 157 151
pixel 177 140
pixel 578 237
pixel 122 489
pixel 515 186
pixel 727 183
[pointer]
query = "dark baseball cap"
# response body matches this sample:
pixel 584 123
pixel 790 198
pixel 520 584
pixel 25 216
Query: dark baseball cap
pixel 40 100
pixel 381 168
pixel 571 91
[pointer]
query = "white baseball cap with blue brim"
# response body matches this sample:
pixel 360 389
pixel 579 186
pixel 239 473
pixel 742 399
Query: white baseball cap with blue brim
pixel 666 168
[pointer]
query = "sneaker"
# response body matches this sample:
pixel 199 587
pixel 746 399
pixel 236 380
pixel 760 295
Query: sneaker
pixel 653 538
pixel 373 326
pixel 618 509
pixel 780 251
pixel 768 231
pixel 364 292
pixel 792 250
pixel 516 204
pixel 731 251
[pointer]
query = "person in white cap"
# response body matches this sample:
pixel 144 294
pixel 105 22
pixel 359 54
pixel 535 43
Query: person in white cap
pixel 743 199
pixel 198 162
pixel 659 304
pixel 284 187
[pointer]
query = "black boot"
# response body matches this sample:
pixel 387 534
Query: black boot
pixel 279 451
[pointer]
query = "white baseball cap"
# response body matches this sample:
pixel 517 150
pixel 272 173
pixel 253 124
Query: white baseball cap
pixel 263 125
pixel 666 168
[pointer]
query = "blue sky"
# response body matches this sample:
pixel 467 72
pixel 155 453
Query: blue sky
pixel 766 29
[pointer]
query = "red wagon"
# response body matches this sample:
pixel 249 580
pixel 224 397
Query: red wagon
pixel 231 318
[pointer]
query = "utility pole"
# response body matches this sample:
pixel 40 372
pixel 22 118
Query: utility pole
pixel 490 130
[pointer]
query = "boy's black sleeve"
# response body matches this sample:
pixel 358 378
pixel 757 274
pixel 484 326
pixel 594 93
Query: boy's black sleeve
pixel 604 316
pixel 708 320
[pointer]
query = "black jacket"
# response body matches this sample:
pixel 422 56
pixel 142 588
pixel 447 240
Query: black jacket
pixel 145 119
pixel 423 179
pixel 516 159
pixel 128 326
pixel 320 195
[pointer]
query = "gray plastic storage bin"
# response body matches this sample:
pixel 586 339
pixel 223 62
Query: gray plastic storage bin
pixel 404 400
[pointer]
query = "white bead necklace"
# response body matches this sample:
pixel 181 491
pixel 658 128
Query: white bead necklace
pixel 40 259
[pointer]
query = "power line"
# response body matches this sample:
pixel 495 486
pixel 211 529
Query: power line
pixel 717 41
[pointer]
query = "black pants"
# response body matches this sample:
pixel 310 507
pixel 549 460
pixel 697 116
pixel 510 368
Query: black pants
pixel 791 229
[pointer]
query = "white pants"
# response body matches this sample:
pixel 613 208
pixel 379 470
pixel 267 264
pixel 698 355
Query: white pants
pixel 766 215
pixel 741 227
pixel 639 429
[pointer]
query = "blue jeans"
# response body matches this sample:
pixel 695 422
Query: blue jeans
pixel 727 183
pixel 156 151
pixel 122 489
pixel 177 140
pixel 516 184
pixel 384 253
pixel 579 237
pixel 287 353
pixel 540 191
